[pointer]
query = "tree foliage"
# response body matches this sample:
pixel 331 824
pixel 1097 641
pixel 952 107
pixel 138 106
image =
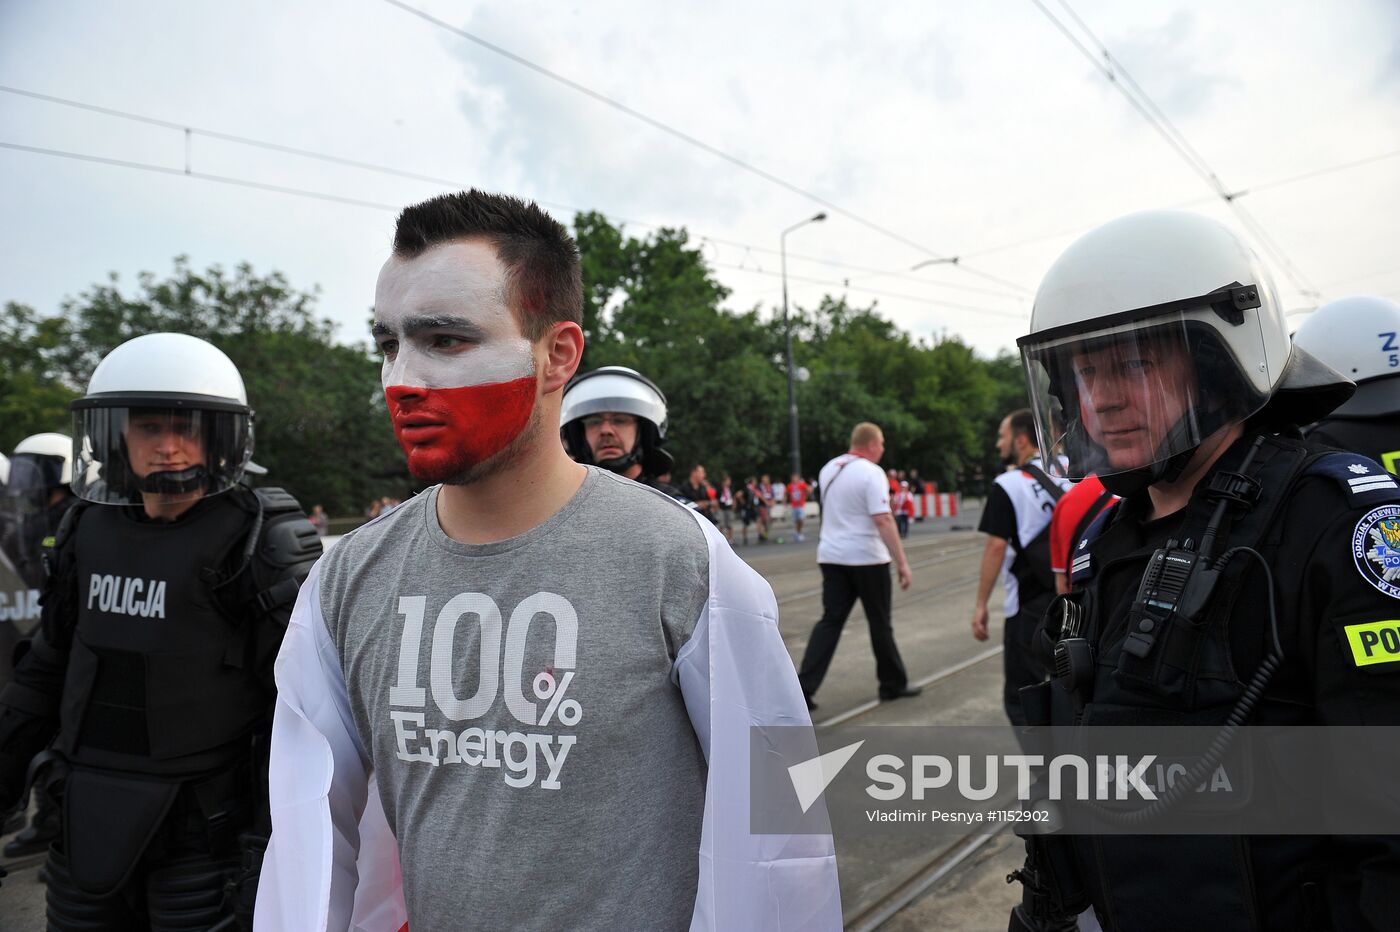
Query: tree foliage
pixel 32 398
pixel 653 304
pixel 320 429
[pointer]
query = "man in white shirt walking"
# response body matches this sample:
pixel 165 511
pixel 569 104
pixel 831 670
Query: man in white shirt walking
pixel 857 542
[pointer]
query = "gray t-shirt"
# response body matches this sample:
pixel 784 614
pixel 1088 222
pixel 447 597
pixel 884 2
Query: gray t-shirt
pixel 534 758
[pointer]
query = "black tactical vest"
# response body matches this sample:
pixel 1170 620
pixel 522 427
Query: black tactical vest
pixel 1193 675
pixel 158 680
pixel 1377 438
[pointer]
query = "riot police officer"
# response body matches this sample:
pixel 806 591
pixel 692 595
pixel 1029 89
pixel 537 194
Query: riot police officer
pixel 1159 359
pixel 615 417
pixel 1360 338
pixel 169 593
pixel 31 508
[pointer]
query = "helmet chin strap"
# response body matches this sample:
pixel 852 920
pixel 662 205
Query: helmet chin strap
pixel 620 463
pixel 176 482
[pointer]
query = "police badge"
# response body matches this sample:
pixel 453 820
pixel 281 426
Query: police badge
pixel 1375 546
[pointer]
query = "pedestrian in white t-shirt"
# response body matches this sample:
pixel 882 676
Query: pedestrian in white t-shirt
pixel 857 541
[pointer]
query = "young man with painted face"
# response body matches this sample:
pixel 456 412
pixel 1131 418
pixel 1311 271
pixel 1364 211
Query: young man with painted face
pixel 170 588
pixel 523 697
pixel 1159 359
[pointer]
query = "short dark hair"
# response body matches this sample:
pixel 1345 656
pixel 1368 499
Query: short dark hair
pixel 543 283
pixel 1023 422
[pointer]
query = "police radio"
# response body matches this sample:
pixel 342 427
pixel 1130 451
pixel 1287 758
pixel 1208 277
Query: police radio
pixel 1181 577
pixel 1176 588
pixel 1073 666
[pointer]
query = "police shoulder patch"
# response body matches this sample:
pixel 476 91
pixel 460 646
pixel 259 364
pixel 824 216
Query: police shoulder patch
pixel 1375 547
pixel 1364 480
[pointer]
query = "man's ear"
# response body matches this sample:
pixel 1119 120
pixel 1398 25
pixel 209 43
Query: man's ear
pixel 563 351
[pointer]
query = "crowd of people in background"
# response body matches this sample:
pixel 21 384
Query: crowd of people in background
pixel 757 501
pixel 379 506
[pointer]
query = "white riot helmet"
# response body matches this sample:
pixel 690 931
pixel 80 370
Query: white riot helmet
pixel 1360 338
pixel 164 414
pixel 42 462
pixel 619 390
pixel 1149 335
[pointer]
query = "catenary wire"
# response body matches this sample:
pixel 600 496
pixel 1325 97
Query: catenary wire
pixel 1119 77
pixel 877 291
pixel 693 141
pixel 357 202
pixel 1195 202
pixel 447 182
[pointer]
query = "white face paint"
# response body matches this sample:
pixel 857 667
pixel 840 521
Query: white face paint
pixel 459 376
pixel 442 321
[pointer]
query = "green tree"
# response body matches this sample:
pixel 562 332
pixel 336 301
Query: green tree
pixel 32 398
pixel 653 304
pixel 321 429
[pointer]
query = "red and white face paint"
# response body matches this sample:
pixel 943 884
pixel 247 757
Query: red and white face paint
pixel 458 374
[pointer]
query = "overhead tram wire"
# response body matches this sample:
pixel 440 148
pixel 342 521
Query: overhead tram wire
pixel 690 140
pixel 201 176
pixel 416 176
pixel 1113 70
pixel 1194 202
pixel 869 270
pixel 877 291
pixel 394 208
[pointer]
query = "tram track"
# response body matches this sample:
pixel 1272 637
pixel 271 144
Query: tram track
pixel 886 882
pixel 942 557
pixel 929 680
pixel 804 559
pixel 870 916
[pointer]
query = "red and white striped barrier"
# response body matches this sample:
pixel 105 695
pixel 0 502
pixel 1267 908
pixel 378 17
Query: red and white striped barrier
pixel 936 505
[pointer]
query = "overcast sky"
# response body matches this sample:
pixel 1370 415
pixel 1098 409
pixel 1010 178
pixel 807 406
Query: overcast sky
pixel 974 130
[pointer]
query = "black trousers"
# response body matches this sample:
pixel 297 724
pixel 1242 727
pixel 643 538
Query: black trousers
pixel 841 586
pixel 1019 661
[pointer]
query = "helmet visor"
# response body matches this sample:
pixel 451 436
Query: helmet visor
pixel 1131 396
pixel 34 473
pixel 129 455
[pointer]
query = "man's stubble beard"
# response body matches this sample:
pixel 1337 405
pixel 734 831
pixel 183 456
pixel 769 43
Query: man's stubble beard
pixel 508 457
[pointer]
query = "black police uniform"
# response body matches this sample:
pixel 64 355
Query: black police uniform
pixel 154 666
pixel 35 543
pixel 1376 437
pixel 1306 535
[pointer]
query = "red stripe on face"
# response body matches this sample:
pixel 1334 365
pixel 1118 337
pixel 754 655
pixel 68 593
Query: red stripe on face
pixel 446 431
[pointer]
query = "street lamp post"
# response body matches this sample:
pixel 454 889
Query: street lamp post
pixel 787 327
